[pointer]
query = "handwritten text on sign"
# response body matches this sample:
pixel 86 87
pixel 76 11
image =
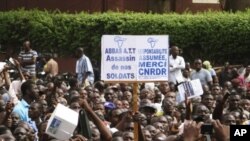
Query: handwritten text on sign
pixel 134 58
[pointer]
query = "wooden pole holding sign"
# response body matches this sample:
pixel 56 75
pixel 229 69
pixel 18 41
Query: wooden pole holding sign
pixel 135 109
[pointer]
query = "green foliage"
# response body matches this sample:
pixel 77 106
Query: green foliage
pixel 216 36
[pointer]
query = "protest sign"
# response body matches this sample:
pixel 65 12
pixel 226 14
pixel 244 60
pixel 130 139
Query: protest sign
pixel 192 88
pixel 134 58
pixel 2 64
pixel 62 123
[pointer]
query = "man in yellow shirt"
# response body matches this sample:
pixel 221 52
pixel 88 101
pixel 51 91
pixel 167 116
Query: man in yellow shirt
pixel 51 67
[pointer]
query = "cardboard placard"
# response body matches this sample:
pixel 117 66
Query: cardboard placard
pixel 62 123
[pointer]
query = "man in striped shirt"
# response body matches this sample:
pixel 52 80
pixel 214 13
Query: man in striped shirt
pixel 27 59
pixel 84 69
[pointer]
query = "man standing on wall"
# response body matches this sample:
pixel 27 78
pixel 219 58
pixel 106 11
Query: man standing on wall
pixel 51 67
pixel 27 59
pixel 176 64
pixel 84 69
pixel 202 74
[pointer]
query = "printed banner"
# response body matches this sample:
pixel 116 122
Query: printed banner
pixel 135 58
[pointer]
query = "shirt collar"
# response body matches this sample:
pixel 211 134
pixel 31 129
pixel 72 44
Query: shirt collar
pixel 24 103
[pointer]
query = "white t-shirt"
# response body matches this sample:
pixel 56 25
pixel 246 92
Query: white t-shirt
pixel 177 64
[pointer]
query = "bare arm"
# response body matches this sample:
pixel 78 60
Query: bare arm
pixel 106 134
pixel 221 132
pixel 218 110
pixel 8 110
pixel 85 75
pixel 19 69
pixel 6 77
pixel 188 108
pixel 192 131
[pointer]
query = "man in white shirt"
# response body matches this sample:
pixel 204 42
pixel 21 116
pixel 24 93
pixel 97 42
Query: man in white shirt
pixel 84 69
pixel 176 64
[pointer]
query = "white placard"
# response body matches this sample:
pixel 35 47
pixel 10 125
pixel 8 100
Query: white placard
pixel 206 1
pixel 2 64
pixel 135 58
pixel 192 88
pixel 62 123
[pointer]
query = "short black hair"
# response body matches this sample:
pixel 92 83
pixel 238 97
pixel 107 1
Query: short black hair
pixel 80 49
pixel 26 85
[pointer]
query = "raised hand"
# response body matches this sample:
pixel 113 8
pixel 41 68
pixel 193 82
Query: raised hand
pixel 192 131
pixel 9 107
pixel 221 132
pixel 188 107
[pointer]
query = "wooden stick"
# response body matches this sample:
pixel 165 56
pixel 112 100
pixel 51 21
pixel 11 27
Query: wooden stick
pixel 135 109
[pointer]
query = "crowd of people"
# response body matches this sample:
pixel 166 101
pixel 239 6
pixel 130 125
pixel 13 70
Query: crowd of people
pixel 105 109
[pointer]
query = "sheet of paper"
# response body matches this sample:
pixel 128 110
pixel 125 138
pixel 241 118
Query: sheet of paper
pixel 62 123
pixel 192 88
pixel 2 64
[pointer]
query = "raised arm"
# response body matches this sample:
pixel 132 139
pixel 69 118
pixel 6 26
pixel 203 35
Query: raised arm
pixel 106 134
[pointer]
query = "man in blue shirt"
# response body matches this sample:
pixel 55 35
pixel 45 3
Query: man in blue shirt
pixel 30 93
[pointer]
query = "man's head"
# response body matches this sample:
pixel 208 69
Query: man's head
pixel 198 64
pixel 125 104
pixel 145 93
pixel 187 66
pixel 175 51
pixel 127 95
pixel 108 94
pixel 44 104
pixel 26 75
pixel 79 52
pixel 208 100
pixel 164 87
pixel 186 73
pixel 168 105
pixel 234 101
pixel 159 126
pixel 170 95
pixel 118 104
pixel 95 97
pixel 29 90
pixel 148 109
pixel 15 119
pixel 48 56
pixel 151 129
pixel 129 126
pixel 228 85
pixel 35 110
pixel 99 107
pixel 201 113
pixel 147 135
pixel 158 97
pixel 75 106
pixel 26 46
pixel 228 119
pixel 83 93
pixel 2 105
pixel 245 104
pixel 115 116
pixel 20 134
pixel 128 136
